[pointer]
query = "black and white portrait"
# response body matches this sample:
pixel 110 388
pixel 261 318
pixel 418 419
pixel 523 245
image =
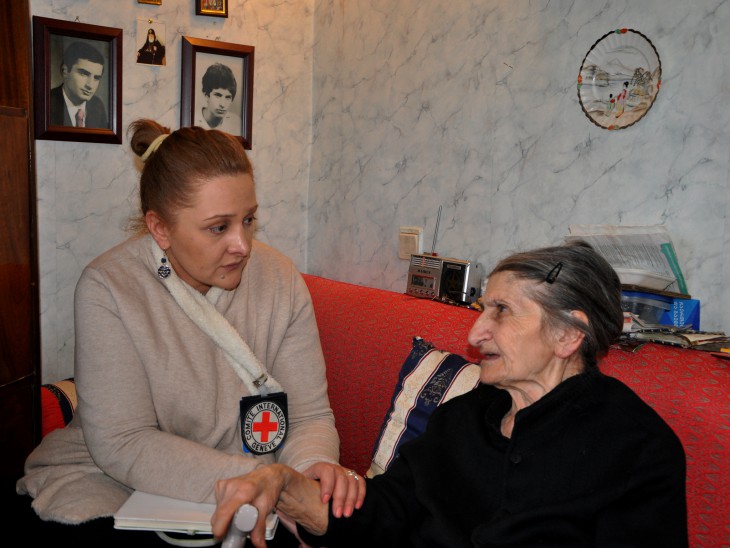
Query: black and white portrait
pixel 217 86
pixel 217 96
pixel 79 94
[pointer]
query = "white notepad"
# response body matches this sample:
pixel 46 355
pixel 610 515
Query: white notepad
pixel 146 512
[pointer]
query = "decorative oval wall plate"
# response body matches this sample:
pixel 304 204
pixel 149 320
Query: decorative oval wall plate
pixel 619 79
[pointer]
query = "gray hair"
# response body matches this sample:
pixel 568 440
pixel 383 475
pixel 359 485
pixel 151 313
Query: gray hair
pixel 571 277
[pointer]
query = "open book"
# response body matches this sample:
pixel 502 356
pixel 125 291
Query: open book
pixel 147 512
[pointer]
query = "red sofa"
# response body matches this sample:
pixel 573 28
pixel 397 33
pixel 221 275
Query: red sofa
pixel 367 333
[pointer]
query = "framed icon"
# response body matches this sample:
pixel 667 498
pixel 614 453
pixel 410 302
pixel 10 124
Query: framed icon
pixel 213 8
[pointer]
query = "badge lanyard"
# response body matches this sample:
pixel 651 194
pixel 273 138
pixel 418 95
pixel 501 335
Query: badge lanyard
pixel 268 406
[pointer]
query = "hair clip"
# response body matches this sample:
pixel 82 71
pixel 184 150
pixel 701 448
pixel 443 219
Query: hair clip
pixel 553 274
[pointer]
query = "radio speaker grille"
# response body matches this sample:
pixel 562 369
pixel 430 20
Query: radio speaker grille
pixel 429 262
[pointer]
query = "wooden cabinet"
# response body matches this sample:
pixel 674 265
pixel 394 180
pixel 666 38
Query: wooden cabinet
pixel 19 309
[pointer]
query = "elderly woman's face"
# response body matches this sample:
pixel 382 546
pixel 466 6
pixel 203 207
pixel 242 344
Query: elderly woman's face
pixel 510 335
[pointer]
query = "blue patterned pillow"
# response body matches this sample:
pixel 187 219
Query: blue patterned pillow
pixel 428 378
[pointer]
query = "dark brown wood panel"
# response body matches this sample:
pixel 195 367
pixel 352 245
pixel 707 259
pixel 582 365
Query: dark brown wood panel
pixel 15 205
pixel 15 54
pixel 19 309
pixel 18 405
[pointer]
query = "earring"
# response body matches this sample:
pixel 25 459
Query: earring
pixel 164 270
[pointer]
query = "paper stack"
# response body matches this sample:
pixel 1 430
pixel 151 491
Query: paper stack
pixel 643 256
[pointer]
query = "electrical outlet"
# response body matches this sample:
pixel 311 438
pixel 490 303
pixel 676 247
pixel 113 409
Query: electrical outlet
pixel 410 241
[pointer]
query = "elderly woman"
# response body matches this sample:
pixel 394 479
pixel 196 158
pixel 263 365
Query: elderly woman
pixel 546 451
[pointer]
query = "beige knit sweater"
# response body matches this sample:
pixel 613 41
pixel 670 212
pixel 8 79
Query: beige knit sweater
pixel 158 406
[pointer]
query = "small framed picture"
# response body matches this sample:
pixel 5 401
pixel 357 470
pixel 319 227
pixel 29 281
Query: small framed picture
pixel 78 81
pixel 151 39
pixel 214 8
pixel 217 86
pixel 153 2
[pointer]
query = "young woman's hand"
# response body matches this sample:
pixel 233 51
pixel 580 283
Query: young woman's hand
pixel 344 487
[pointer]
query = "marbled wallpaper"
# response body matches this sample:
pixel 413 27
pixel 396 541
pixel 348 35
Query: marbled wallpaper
pixel 473 106
pixel 371 114
pixel 87 192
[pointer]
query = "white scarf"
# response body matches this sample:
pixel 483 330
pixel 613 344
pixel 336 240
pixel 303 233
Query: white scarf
pixel 199 308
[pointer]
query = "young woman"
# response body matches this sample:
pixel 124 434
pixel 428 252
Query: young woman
pixel 197 351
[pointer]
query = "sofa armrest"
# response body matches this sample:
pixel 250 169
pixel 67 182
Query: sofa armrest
pixel 58 405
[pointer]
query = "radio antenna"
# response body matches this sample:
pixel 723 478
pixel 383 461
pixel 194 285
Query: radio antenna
pixel 435 232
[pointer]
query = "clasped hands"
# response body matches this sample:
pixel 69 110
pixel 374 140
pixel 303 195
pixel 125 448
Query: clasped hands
pixel 297 497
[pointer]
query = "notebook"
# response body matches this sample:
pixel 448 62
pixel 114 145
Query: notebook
pixel 147 512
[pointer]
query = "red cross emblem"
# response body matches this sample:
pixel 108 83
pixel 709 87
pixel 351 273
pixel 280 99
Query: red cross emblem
pixel 263 425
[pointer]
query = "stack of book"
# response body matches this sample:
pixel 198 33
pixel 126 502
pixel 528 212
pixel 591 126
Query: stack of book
pixel 646 263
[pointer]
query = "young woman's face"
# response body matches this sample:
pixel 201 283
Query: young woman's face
pixel 210 242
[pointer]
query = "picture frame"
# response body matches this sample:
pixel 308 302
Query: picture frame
pixel 152 2
pixel 93 82
pixel 212 8
pixel 217 87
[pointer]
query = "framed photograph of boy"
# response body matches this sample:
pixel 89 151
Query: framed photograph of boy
pixel 217 87
pixel 213 8
pixel 78 81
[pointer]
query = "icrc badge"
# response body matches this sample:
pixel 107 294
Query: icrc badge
pixel 264 422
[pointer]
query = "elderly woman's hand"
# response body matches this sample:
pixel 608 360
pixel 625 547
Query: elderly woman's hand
pixel 260 488
pixel 269 487
pixel 344 487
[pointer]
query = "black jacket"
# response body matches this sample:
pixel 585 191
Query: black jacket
pixel 589 464
pixel 96 115
pixel 151 54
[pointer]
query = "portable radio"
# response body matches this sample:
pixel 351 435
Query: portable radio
pixel 443 278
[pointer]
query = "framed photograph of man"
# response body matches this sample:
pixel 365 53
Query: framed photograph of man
pixel 213 8
pixel 78 81
pixel 217 86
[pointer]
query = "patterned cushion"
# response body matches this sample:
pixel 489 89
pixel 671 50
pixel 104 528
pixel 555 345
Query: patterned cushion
pixel 58 403
pixel 428 378
pixel 365 334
